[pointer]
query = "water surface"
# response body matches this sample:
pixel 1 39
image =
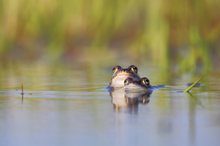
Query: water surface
pixel 71 106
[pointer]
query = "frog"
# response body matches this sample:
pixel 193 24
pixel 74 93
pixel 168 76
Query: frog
pixel 143 84
pixel 119 75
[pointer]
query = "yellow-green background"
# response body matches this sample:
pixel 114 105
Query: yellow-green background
pixel 180 33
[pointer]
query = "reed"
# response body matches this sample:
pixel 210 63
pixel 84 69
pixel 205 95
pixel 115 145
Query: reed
pixel 185 32
pixel 188 89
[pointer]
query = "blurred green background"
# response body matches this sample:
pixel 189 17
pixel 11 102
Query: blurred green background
pixel 183 34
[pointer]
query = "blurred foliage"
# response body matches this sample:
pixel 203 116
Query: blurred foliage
pixel 183 34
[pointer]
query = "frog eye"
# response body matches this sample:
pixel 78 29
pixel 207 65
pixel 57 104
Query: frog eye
pixel 127 81
pixel 116 68
pixel 145 81
pixel 133 68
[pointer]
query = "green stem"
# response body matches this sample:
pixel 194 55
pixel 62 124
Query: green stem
pixel 191 86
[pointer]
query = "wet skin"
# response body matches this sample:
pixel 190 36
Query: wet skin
pixel 121 74
pixel 142 84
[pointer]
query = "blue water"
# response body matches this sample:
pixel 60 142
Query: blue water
pixel 73 107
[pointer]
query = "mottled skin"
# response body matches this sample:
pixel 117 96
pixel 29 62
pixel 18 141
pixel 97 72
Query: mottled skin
pixel 121 74
pixel 137 85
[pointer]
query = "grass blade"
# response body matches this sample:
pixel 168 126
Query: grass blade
pixel 191 86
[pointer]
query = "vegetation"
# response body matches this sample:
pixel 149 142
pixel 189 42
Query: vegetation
pixel 187 90
pixel 185 33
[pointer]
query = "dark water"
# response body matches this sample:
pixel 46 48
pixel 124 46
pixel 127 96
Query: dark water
pixel 71 106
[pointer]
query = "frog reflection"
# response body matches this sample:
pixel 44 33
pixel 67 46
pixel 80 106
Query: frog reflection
pixel 128 101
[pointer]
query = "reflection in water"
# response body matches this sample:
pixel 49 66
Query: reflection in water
pixel 68 106
pixel 128 101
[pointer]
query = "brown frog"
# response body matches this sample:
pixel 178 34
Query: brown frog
pixel 121 74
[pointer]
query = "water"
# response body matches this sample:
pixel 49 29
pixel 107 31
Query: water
pixel 71 106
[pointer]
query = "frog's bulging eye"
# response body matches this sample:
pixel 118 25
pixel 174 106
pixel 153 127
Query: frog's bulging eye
pixel 133 69
pixel 116 68
pixel 145 81
pixel 127 81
